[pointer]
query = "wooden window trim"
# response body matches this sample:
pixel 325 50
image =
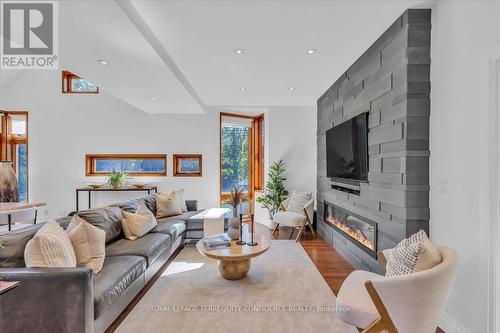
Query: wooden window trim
pixel 14 140
pixel 254 180
pixel 67 87
pixel 176 158
pixel 91 158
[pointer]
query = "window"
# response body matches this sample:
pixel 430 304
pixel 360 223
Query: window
pixel 73 84
pixel 241 155
pixel 133 164
pixel 14 146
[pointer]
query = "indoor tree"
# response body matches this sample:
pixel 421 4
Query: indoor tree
pixel 275 192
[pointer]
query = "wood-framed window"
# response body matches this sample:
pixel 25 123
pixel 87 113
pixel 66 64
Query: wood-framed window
pixel 146 165
pixel 241 155
pixel 188 165
pixel 73 84
pixel 14 146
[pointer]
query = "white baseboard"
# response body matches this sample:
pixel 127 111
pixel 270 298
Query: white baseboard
pixel 451 325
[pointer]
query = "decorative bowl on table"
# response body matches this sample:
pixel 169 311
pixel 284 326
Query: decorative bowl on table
pixel 95 185
pixel 140 185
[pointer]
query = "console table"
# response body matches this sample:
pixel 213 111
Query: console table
pixel 147 188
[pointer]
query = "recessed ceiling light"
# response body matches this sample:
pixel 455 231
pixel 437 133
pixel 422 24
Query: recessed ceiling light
pixel 153 99
pixel 243 88
pixel 102 62
pixel 311 51
pixel 239 51
pixel 291 88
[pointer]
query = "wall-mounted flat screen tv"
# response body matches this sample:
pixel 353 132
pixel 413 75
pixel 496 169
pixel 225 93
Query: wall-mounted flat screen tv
pixel 347 150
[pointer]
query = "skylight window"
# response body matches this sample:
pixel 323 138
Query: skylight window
pixel 73 84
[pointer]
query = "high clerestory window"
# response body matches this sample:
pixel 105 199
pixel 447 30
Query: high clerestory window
pixel 73 84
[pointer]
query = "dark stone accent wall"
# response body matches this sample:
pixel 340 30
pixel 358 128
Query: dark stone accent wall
pixel 391 81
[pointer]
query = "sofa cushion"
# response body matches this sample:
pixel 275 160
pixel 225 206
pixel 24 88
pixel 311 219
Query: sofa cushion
pixel 167 204
pixel 194 223
pixel 117 274
pixel 149 246
pixel 88 242
pixel 106 218
pixel 132 205
pixel 183 217
pixel 174 228
pixel 50 247
pixel 136 225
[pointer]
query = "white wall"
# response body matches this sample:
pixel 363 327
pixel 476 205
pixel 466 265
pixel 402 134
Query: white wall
pixel 63 128
pixel 462 33
pixel 292 138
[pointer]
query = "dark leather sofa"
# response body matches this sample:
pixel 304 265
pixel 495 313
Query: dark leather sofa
pixel 76 299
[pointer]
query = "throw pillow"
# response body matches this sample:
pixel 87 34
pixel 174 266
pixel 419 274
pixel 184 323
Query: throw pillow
pixel 179 194
pixel 167 205
pixel 137 225
pixel 89 243
pixel 413 254
pixel 297 201
pixel 50 247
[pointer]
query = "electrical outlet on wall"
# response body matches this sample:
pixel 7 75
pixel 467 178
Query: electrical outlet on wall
pixel 443 186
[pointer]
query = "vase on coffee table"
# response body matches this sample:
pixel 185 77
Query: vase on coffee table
pixel 234 226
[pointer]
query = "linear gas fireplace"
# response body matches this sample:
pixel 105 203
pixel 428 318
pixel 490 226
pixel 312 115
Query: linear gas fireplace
pixel 355 228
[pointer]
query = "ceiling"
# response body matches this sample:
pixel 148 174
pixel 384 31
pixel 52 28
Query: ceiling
pixel 182 52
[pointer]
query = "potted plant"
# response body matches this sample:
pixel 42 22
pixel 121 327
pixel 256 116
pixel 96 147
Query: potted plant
pixel 275 192
pixel 116 179
pixel 236 197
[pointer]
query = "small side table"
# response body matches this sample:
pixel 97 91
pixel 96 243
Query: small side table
pixel 147 188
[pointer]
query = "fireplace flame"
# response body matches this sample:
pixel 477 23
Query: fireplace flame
pixel 355 234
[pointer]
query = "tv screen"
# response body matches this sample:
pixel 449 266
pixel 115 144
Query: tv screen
pixel 347 150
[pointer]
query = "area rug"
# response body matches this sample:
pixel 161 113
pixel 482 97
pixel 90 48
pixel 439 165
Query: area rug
pixel 283 292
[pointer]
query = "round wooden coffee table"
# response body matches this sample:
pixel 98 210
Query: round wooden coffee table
pixel 234 261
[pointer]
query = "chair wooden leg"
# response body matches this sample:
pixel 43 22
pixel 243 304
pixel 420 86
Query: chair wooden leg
pixel 293 230
pixel 276 228
pixel 385 321
pixel 300 231
pixel 310 226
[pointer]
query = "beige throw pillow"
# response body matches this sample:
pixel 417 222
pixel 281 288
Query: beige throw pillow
pixel 297 202
pixel 50 247
pixel 167 204
pixel 137 225
pixel 179 194
pixel 89 243
pixel 413 254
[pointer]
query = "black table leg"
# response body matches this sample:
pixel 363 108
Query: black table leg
pixel 89 198
pixel 9 217
pixel 36 214
pixel 77 199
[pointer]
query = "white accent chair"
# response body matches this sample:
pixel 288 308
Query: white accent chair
pixel 410 303
pixel 295 220
pixel 22 216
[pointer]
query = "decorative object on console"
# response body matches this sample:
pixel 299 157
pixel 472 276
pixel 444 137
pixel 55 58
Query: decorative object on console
pixel 187 165
pixel 116 179
pixel 251 242
pixel 140 185
pixel 236 197
pixel 95 185
pixel 275 192
pixel 8 183
pixel 413 254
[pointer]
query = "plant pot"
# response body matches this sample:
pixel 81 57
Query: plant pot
pixel 116 184
pixel 233 230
